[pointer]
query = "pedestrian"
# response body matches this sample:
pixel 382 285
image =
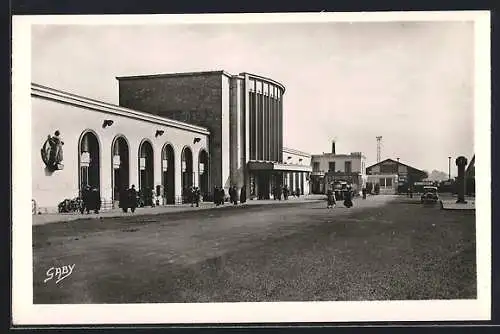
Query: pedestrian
pixel 95 201
pixel 85 199
pixel 285 193
pixel 330 199
pixel 243 195
pixel 123 201
pixel 363 191
pixel 222 196
pixel 216 196
pixel 132 199
pixel 235 195
pixel 348 198
pixel 231 194
pixel 195 197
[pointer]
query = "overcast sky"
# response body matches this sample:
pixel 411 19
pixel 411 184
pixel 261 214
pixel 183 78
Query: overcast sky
pixel 411 82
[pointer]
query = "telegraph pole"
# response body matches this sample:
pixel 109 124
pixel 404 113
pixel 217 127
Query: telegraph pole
pixel 449 168
pixel 379 139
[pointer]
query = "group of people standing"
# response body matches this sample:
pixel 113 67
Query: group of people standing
pixel 332 202
pixel 220 195
pixel 91 199
pixel 128 199
pixel 279 192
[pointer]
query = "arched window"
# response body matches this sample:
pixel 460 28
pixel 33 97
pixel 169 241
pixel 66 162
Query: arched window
pixel 120 165
pixel 187 170
pixel 168 173
pixel 89 161
pixel 203 172
pixel 146 172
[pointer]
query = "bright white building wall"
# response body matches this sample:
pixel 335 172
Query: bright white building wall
pixel 55 110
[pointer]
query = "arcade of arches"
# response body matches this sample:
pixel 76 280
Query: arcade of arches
pixel 90 166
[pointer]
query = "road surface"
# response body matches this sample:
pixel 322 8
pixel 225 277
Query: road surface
pixel 381 249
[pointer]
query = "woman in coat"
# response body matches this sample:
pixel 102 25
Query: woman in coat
pixel 243 194
pixel 348 198
pixel 330 195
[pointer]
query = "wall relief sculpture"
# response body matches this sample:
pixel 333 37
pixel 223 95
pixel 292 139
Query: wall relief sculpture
pixel 52 152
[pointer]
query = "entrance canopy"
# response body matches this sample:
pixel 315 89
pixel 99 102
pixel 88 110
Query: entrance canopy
pixel 276 166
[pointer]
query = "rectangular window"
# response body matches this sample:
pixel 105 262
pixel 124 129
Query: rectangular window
pixel 382 182
pixel 251 107
pixel 316 166
pixel 331 166
pixel 348 167
pixel 260 127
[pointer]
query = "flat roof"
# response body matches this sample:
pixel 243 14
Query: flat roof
pixel 200 73
pixel 297 152
pixel 340 155
pixel 85 102
pixel 170 75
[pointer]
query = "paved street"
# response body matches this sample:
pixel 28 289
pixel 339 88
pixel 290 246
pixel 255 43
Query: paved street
pixel 385 247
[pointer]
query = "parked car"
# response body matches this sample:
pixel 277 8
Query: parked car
pixel 429 195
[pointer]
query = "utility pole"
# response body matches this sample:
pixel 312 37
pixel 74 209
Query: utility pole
pixel 397 166
pixel 449 168
pixel 379 139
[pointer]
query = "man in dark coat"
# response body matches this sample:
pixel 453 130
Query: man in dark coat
pixel 348 198
pixel 363 191
pixel 233 194
pixel 132 198
pixel 243 194
pixel 95 200
pixel 85 199
pixel 216 196
pixel 222 196
pixel 124 200
pixel 195 197
pixel 285 193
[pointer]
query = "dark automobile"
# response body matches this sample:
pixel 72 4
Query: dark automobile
pixel 429 195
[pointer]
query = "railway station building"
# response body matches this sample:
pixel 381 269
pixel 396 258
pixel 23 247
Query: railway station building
pixel 167 133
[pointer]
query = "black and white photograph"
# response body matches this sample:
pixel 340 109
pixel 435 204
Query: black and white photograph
pixel 246 168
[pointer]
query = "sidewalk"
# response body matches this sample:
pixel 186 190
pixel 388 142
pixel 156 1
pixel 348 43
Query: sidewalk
pixel 450 204
pixel 65 217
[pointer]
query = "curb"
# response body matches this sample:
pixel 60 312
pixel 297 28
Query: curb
pixel 140 214
pixel 455 209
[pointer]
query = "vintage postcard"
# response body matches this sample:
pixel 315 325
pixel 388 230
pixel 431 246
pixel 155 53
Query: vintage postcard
pixel 251 168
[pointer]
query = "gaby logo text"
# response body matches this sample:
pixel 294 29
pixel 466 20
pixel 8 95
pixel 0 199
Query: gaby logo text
pixel 59 273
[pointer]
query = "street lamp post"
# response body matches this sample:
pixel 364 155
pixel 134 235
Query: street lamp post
pixel 449 168
pixel 397 166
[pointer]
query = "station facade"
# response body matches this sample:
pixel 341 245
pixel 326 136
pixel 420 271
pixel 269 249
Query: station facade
pixel 244 114
pixel 168 132
pixel 111 148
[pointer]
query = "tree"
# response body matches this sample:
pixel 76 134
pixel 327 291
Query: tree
pixel 426 174
pixel 369 187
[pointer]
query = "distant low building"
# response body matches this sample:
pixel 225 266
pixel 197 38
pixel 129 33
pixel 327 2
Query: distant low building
pixel 328 168
pixel 393 176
